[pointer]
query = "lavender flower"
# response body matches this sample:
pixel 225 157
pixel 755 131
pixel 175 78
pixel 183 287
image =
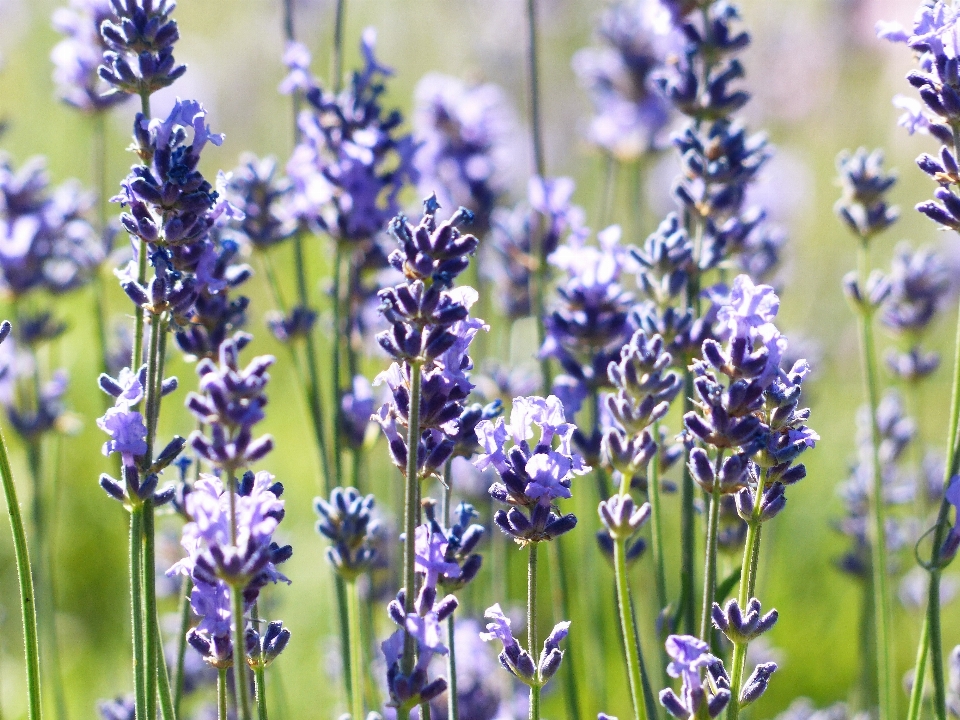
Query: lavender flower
pixel 140 38
pixel 457 544
pixel 347 521
pixel 264 198
pixel 518 661
pixel 531 479
pixel 77 57
pixel 480 688
pixel 863 206
pixel 688 656
pixel 630 114
pixel 48 243
pixel 352 161
pixel 592 319
pixel 463 133
pixel 231 403
pixel 430 334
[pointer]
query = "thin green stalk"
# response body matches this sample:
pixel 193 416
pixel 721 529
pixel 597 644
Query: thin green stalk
pixel 920 672
pixel 343 625
pixel 648 695
pixel 532 628
pixel 28 611
pixel 687 527
pixel 43 568
pixel 335 379
pixel 356 649
pixel 410 508
pixel 314 395
pixel 533 70
pixel 136 605
pixel 137 355
pixel 221 694
pixel 100 182
pixel 290 35
pixel 150 648
pixel 260 686
pixel 710 562
pixel 560 590
pixel 939 535
pixel 878 539
pixel 748 579
pixel 628 625
pixel 163 677
pixel 239 655
pixel 453 710
pixel 185 589
pixel 656 525
pixel 337 71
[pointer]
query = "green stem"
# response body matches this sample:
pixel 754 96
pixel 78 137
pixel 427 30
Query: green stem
pixel 137 356
pixel 710 561
pixel 532 629
pixel 343 624
pixel 335 379
pixel 185 590
pixel 28 609
pixel 337 71
pixel 149 609
pixel 260 686
pixel 136 604
pixel 100 182
pixel 163 677
pixel 533 70
pixel 43 568
pixel 648 696
pixel 628 626
pixel 221 694
pixel 687 526
pixel 410 508
pixel 453 710
pixel 356 649
pixel 920 672
pixel 560 590
pixel 239 654
pixel 656 524
pixel 748 579
pixel 878 539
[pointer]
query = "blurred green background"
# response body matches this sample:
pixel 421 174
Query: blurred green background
pixel 821 83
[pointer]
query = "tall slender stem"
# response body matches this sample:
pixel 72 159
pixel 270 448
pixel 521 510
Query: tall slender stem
pixel 139 313
pixel 163 677
pixel 710 562
pixel 260 686
pixel 920 671
pixel 628 626
pixel 240 654
pixel 337 64
pixel 453 709
pixel 410 512
pixel 878 541
pixel 185 590
pixel 533 71
pixel 335 380
pixel 356 649
pixel 532 628
pixel 560 589
pixel 748 579
pixel 99 163
pixel 221 694
pixel 150 648
pixel 136 605
pixel 28 610
pixel 43 568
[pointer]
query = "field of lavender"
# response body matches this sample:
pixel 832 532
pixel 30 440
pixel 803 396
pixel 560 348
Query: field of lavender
pixel 642 281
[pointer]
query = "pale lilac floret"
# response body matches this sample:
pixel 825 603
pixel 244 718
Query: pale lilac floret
pixel 430 549
pixel 746 308
pixel 547 472
pixel 128 434
pixel 211 602
pixel 498 628
pixel 687 655
pixel 427 632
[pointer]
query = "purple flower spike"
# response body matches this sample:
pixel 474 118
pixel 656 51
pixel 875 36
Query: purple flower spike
pixel 687 656
pixel 431 550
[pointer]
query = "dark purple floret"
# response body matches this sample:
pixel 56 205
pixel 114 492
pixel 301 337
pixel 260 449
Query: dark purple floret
pixel 352 159
pixel 140 36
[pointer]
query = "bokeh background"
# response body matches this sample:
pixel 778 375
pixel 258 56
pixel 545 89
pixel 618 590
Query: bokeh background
pixel 821 83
